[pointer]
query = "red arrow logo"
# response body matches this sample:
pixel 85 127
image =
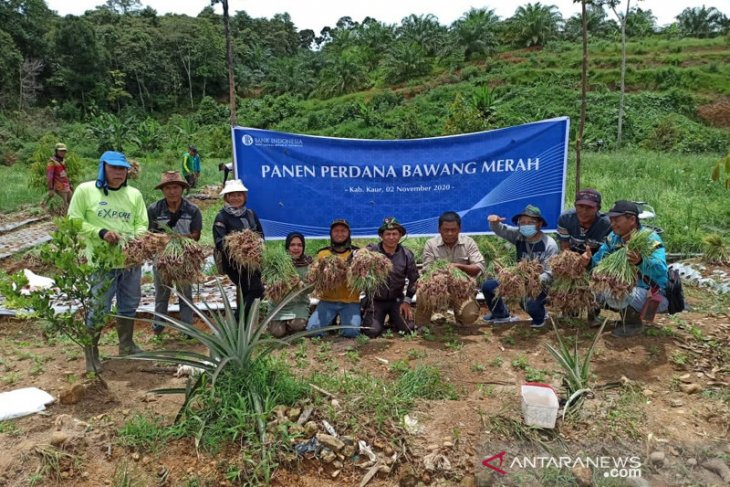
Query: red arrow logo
pixel 500 455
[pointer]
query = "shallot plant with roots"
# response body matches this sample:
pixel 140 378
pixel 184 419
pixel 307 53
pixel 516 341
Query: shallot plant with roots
pixel 244 249
pixel 278 273
pixel 368 271
pixel 327 273
pixel 181 261
pixel 614 275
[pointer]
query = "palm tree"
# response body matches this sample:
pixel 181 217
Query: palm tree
pixel 405 60
pixel 640 23
pixel 534 24
pixel 475 33
pixel 598 24
pixel 343 73
pixel 424 30
pixel 701 21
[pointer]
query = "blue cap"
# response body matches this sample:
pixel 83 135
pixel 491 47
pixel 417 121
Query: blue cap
pixel 114 159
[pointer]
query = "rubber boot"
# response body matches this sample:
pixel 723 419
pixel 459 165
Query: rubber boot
pixel 630 325
pixel 125 330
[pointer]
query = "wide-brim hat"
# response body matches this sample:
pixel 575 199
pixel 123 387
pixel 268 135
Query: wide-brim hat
pixel 114 158
pixel 533 212
pixel 391 223
pixel 61 146
pixel 172 177
pixel 234 186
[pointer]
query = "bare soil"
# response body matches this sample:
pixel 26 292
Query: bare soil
pixel 638 406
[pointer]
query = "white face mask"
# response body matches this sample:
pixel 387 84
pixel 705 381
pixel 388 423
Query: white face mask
pixel 528 230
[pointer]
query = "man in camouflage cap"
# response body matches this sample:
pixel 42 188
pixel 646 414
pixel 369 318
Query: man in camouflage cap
pixel 389 300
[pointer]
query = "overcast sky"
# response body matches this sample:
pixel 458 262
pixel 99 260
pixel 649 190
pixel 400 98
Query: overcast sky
pixel 315 14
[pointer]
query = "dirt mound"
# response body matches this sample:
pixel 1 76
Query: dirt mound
pixel 716 114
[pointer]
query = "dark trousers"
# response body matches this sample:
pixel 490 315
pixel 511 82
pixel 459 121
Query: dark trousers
pixel 374 316
pixel 534 307
pixel 250 287
pixel 192 179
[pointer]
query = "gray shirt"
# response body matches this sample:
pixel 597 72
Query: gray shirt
pixel 189 218
pixel 464 251
pixel 539 250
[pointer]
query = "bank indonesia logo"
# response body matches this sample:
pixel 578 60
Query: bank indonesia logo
pixel 247 140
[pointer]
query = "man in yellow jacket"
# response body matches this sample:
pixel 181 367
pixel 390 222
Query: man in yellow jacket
pixel 111 211
pixel 343 300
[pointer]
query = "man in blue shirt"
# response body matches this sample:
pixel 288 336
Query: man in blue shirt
pixel 652 270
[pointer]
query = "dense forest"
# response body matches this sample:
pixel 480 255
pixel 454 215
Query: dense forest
pixel 133 79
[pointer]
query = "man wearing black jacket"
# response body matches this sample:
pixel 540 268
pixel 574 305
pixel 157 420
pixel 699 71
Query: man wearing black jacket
pixel 389 300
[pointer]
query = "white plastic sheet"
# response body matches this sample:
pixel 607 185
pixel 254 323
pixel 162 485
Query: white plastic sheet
pixel 22 402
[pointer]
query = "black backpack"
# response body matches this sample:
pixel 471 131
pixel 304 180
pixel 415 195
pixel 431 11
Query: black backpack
pixel 674 292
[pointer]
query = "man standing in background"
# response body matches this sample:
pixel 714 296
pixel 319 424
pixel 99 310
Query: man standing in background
pixel 191 166
pixel 57 177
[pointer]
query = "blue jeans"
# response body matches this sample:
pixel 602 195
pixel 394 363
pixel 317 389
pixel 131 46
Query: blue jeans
pixel 635 299
pixel 534 307
pixel 326 311
pixel 125 285
pixel 162 298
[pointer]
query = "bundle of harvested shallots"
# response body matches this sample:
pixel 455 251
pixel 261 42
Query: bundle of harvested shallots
pixel 327 274
pixel 521 280
pixel 181 261
pixel 615 275
pixel 244 249
pixel 368 271
pixel 442 286
pixel 278 273
pixel 143 247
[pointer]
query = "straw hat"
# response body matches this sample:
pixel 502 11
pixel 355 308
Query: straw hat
pixel 172 177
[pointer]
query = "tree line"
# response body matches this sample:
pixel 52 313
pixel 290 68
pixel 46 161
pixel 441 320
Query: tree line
pixel 123 54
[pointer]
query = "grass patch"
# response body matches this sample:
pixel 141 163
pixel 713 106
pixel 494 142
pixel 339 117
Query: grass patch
pixel 382 403
pixel 627 413
pixel 9 428
pixel 147 433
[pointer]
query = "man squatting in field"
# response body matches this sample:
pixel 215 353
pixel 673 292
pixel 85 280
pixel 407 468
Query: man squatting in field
pixel 530 243
pixel 463 253
pixel 343 300
pixel 582 227
pixel 624 216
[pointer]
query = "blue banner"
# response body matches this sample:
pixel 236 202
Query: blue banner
pixel 302 182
